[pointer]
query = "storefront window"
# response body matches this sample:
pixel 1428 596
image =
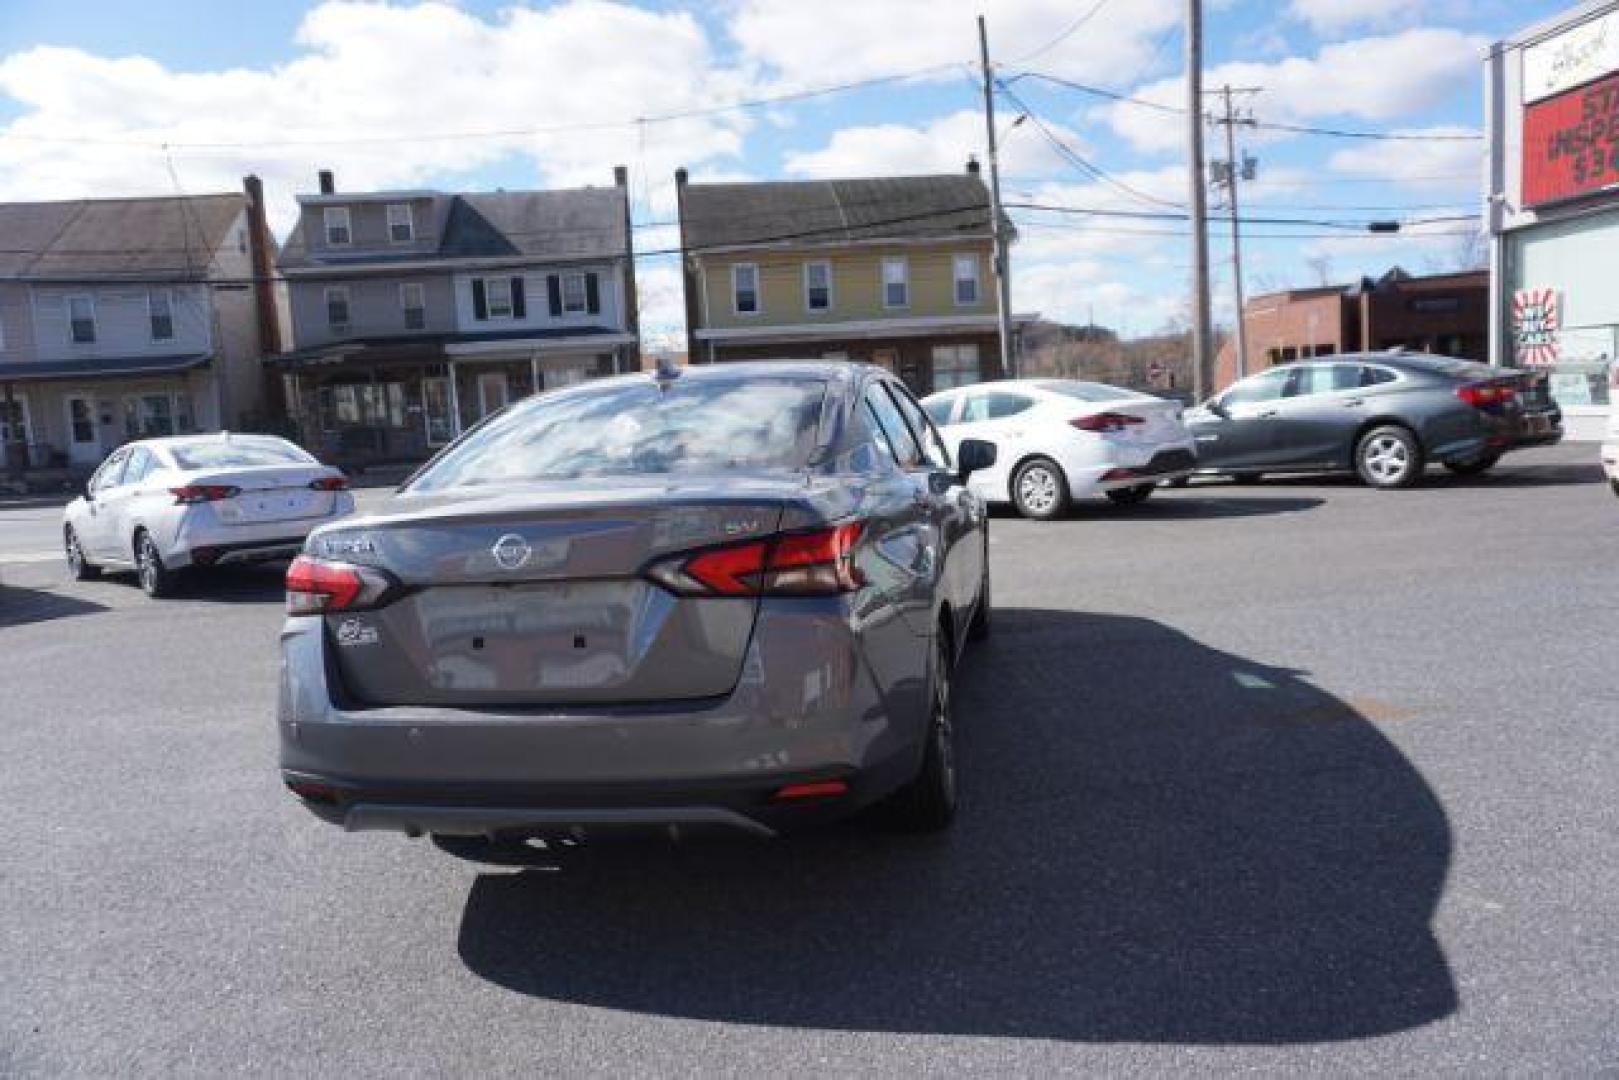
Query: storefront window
pixel 1563 313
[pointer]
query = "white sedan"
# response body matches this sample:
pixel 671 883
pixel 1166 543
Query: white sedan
pixel 159 506
pixel 1061 439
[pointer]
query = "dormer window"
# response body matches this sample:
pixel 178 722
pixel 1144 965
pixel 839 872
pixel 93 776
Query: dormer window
pixel 401 229
pixel 337 226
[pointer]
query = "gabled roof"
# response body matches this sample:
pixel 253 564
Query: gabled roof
pixel 573 223
pixel 170 236
pixel 834 211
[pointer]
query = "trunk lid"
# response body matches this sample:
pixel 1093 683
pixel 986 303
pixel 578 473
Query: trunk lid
pixel 269 493
pixel 1161 419
pixel 533 596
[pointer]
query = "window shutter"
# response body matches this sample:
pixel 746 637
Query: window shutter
pixel 480 306
pixel 593 296
pixel 553 288
pixel 519 308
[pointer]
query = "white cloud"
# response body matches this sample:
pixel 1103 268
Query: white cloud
pixel 809 44
pixel 938 146
pixel 1333 16
pixel 1371 79
pixel 375 69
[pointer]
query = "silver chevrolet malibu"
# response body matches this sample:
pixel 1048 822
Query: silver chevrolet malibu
pixel 722 596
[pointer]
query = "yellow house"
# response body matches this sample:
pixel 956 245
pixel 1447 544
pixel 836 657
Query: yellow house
pixel 894 271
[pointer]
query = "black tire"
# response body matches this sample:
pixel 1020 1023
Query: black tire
pixel 1040 489
pixel 1247 477
pixel 1178 482
pixel 156 580
pixel 1389 457
pixel 1132 496
pixel 1476 467
pixel 980 626
pixel 928 802
pixel 78 566
pixel 1615 485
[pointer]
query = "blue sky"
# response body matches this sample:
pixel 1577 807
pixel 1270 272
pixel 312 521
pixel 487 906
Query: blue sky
pixel 90 93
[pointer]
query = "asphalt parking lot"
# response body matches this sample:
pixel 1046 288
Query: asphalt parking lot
pixel 1296 777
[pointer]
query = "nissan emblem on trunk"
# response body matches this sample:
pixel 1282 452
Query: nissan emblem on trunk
pixel 511 552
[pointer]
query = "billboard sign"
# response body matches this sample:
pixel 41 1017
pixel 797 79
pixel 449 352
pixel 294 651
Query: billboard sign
pixel 1571 143
pixel 1564 61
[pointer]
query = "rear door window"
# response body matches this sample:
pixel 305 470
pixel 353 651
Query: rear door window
pixel 1323 379
pixel 893 432
pixel 994 405
pixel 1376 376
pixel 933 450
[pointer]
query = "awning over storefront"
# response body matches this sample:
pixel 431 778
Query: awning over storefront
pixel 99 367
pixel 421 348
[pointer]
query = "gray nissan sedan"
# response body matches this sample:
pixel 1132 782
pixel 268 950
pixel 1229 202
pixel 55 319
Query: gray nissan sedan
pixel 721 596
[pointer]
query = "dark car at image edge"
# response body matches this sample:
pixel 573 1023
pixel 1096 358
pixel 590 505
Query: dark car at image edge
pixel 1383 416
pixel 730 596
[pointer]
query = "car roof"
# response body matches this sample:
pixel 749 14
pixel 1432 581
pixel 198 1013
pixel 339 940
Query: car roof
pixel 1399 359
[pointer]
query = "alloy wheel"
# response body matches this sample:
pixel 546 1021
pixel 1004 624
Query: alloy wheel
pixel 1386 458
pixel 150 566
pixel 944 735
pixel 75 554
pixel 1037 489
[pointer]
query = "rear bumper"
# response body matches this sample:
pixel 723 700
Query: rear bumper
pixel 1129 466
pixel 246 551
pixel 710 763
pixel 245 543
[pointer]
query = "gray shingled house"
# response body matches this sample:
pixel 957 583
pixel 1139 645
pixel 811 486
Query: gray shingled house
pixel 127 318
pixel 417 313
pixel 896 271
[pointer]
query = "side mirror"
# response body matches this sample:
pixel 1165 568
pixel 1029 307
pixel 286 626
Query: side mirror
pixel 973 455
pixel 1214 406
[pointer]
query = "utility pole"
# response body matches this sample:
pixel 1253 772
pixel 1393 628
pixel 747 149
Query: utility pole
pixel 1202 362
pixel 1229 175
pixel 1003 265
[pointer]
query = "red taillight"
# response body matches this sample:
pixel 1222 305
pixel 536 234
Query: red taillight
pixel 1482 394
pixel 815 789
pixel 330 483
pixel 316 586
pixel 812 563
pixel 191 494
pixel 1106 421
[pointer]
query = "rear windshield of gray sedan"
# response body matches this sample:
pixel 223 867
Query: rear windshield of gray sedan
pixel 642 427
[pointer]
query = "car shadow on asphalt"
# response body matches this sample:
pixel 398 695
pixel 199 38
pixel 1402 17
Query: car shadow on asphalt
pixel 21 606
pixel 1196 502
pixel 1158 842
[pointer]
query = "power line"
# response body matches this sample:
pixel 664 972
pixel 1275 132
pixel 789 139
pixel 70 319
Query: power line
pixel 1273 125
pixel 1064 34
pixel 1073 157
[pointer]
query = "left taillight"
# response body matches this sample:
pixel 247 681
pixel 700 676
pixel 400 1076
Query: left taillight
pixel 330 483
pixel 191 494
pixel 321 586
pixel 1106 422
pixel 818 562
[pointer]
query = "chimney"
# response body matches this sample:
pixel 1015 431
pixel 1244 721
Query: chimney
pixel 621 176
pixel 680 176
pixel 972 165
pixel 327 184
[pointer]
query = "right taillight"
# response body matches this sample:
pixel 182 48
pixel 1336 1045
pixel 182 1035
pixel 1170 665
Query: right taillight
pixel 319 586
pixel 1483 394
pixel 1106 422
pixel 816 562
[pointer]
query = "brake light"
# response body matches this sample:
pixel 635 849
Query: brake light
pixel 1105 422
pixel 815 563
pixel 1479 395
pixel 814 789
pixel 191 494
pixel 318 586
pixel 330 483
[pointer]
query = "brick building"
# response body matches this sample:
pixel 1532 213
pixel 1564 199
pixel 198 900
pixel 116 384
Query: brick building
pixel 1441 313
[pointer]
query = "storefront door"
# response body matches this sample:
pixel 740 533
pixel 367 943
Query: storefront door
pixel 83 432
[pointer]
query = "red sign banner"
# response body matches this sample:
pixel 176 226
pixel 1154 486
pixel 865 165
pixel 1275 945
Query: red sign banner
pixel 1571 143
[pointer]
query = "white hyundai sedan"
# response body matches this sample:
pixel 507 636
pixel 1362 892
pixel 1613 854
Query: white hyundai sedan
pixel 1062 439
pixel 159 506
